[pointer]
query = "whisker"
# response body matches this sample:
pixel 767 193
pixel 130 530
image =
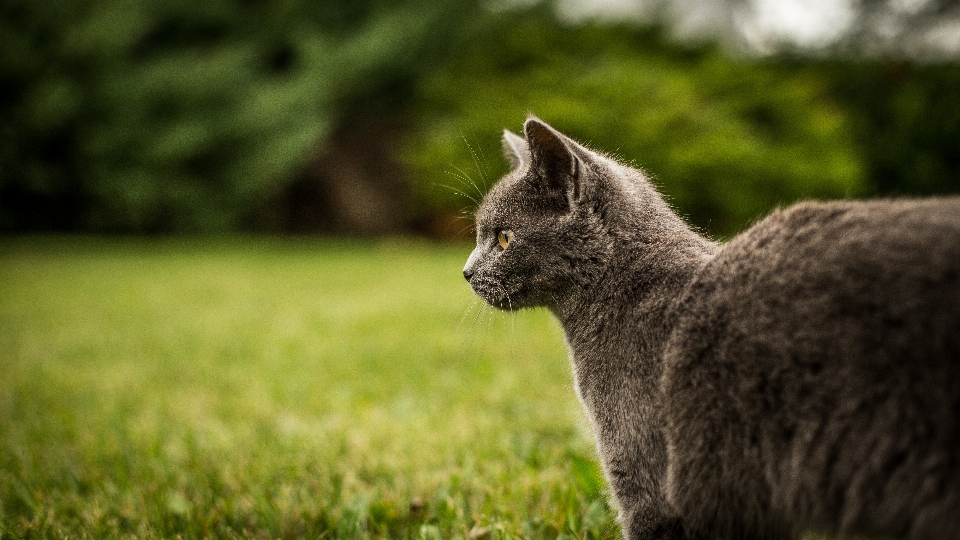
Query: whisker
pixel 458 192
pixel 467 178
pixel 467 312
pixel 464 177
pixel 476 318
pixel 490 320
pixel 490 313
pixel 459 174
pixel 480 170
pixel 481 163
pixel 513 333
pixel 472 312
pixel 510 305
pixel 466 213
pixel 467 182
pixel 512 315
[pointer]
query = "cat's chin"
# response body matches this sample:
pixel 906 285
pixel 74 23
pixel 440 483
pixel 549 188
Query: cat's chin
pixel 513 302
pixel 501 301
pixel 503 304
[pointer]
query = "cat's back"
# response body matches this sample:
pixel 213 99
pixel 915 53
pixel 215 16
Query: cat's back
pixel 891 265
pixel 813 375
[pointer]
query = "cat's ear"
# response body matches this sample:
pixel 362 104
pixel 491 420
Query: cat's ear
pixel 515 149
pixel 553 158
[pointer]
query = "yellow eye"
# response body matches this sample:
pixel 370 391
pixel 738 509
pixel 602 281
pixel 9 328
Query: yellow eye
pixel 504 236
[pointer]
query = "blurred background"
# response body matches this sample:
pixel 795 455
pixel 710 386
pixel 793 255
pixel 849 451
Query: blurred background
pixel 366 117
pixel 174 365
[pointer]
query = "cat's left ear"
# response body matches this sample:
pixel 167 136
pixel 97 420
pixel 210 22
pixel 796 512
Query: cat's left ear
pixel 553 159
pixel 515 149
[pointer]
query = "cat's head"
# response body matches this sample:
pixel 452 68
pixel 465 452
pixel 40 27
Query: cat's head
pixel 541 231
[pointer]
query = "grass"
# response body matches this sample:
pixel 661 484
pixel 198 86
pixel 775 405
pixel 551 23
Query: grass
pixel 255 388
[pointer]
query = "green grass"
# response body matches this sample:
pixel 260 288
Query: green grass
pixel 261 388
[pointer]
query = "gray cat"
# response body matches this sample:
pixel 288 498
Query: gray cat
pixel 803 377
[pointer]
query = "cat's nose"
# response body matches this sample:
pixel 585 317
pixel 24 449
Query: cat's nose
pixel 468 269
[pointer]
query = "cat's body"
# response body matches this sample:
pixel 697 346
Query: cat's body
pixel 803 377
pixel 822 348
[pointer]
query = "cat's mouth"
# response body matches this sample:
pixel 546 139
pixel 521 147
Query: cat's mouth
pixel 495 294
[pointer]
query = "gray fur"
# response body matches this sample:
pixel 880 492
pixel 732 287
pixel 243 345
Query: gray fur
pixel 803 377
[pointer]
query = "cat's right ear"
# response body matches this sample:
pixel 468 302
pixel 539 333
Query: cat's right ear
pixel 515 149
pixel 553 159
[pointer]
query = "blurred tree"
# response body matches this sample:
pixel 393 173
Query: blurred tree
pixel 724 140
pixel 176 115
pixel 906 119
pixel 920 29
pixel 342 116
pixel 915 29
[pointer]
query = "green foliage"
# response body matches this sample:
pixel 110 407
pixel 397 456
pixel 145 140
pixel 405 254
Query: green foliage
pixel 180 115
pixel 256 389
pixel 907 123
pixel 724 140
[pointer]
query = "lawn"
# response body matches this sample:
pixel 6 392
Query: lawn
pixel 268 388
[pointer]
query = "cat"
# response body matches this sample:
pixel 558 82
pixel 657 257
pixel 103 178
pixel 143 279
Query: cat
pixel 803 377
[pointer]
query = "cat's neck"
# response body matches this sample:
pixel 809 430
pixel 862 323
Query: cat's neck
pixel 655 255
pixel 639 296
pixel 617 323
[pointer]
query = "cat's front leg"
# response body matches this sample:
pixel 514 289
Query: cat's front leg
pixel 650 523
pixel 633 453
pixel 644 513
